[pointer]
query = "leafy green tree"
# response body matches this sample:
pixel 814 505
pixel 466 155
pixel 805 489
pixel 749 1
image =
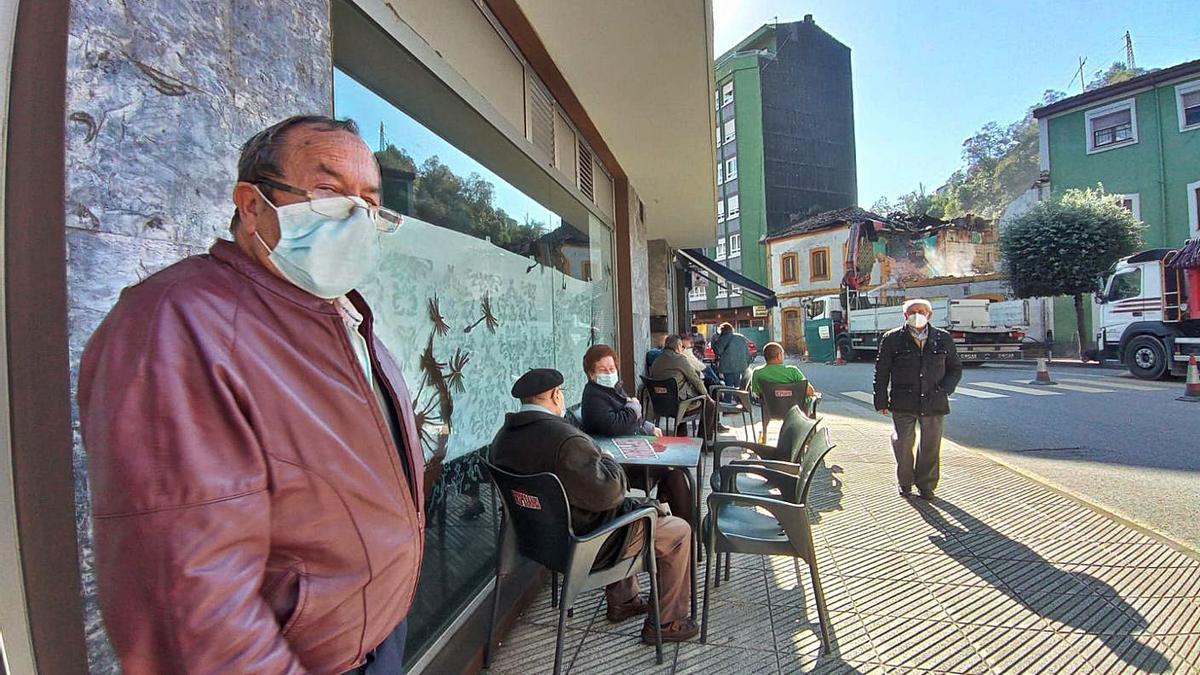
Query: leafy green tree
pixel 1062 245
pixel 1116 72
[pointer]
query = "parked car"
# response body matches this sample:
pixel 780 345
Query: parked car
pixel 710 356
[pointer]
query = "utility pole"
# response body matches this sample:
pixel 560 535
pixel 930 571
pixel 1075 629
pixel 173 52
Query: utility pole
pixel 1082 82
pixel 382 138
pixel 1129 62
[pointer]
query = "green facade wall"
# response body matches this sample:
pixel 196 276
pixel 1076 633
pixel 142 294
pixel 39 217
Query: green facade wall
pixel 1158 167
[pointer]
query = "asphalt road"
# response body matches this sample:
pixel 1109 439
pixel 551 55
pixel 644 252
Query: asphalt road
pixel 1133 451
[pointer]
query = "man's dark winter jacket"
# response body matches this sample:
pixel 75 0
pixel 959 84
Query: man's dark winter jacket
pixel 536 442
pixel 921 379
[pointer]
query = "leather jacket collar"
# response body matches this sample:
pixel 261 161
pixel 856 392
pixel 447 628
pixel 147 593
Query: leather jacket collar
pixel 229 253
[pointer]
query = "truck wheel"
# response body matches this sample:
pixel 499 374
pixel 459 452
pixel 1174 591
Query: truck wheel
pixel 1146 357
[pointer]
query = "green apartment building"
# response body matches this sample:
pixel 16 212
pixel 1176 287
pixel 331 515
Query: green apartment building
pixel 1140 139
pixel 785 149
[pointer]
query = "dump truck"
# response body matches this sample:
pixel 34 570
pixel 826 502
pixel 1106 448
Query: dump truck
pixel 859 319
pixel 1147 311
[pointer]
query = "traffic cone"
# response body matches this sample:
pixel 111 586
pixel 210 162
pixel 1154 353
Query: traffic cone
pixel 1043 373
pixel 1191 390
pixel 838 360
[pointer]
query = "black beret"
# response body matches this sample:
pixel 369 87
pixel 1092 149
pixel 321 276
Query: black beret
pixel 536 381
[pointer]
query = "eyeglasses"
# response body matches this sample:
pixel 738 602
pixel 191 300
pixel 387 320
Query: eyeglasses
pixel 337 205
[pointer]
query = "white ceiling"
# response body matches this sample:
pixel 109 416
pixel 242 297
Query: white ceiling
pixel 642 69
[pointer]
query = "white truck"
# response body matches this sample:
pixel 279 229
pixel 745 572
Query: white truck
pixel 1148 313
pixel 860 319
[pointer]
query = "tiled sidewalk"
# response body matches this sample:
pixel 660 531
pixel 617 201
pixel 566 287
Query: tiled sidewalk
pixel 1000 574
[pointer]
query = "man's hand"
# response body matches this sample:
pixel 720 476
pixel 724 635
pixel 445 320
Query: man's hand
pixel 657 432
pixel 884 412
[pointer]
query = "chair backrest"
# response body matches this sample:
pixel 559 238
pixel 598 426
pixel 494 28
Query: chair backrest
pixel 574 416
pixel 795 434
pixel 538 512
pixel 664 396
pixel 822 443
pixel 779 398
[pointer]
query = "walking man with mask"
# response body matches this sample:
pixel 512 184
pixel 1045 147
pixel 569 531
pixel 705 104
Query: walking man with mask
pixel 255 472
pixel 916 371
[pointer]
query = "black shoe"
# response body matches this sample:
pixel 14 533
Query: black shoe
pixel 927 495
pixel 906 491
pixel 722 428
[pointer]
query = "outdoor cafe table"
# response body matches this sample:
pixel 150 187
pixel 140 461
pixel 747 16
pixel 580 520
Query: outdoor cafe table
pixel 679 452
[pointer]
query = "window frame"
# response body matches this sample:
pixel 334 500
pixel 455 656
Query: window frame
pixel 794 278
pixel 736 237
pixel 1129 104
pixel 720 172
pixel 720 250
pixel 729 129
pixel 1193 201
pixel 1136 198
pixel 733 208
pixel 731 170
pixel 812 268
pixel 726 93
pixel 1192 87
pixel 721 210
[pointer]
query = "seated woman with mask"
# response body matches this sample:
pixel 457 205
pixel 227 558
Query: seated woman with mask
pixel 606 410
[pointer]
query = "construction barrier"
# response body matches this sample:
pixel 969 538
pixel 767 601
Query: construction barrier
pixel 1191 391
pixel 1043 373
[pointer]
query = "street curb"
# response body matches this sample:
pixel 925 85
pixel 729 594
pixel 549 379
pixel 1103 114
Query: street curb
pixel 1148 530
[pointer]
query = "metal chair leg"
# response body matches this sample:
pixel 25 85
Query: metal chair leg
pixel 558 643
pixel 553 590
pixel 709 546
pixel 728 560
pixel 655 613
pixel 489 646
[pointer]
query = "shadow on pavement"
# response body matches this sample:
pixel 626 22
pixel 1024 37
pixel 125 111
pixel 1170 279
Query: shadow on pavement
pixel 1052 600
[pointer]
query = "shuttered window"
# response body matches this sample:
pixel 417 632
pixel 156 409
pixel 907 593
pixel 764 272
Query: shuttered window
pixel 586 185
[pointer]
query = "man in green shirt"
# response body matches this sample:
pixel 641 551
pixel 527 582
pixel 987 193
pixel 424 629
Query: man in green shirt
pixel 775 372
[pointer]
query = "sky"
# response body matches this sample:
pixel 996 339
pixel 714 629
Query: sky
pixel 929 73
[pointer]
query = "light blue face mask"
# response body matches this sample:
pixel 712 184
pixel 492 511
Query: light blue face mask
pixel 325 255
pixel 607 379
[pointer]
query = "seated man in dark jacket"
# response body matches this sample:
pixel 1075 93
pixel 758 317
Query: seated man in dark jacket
pixel 536 439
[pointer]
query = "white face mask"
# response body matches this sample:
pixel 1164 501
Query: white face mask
pixel 324 255
pixel 607 379
pixel 917 320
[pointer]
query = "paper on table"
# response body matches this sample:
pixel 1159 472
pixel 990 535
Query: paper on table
pixel 634 448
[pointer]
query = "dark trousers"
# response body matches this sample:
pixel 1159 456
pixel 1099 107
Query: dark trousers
pixel 388 657
pixel 924 472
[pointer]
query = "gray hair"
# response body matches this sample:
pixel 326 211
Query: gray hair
pixel 672 343
pixel 260 154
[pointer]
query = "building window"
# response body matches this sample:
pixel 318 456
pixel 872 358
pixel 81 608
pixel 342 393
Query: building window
pixel 1187 99
pixel 720 210
pixel 727 94
pixel 697 293
pixel 730 131
pixel 720 173
pixel 818 264
pixel 731 168
pixel 789 268
pixel 1131 203
pixel 1193 193
pixel 722 291
pixel 717 97
pixel 720 249
pixel 733 203
pixel 735 245
pixel 1111 126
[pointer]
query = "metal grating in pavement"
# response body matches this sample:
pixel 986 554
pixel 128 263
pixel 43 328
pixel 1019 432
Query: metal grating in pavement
pixel 999 575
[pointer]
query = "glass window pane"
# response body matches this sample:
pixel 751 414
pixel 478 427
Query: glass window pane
pixel 483 281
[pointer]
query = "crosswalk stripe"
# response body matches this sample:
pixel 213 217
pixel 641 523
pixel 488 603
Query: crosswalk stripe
pixel 860 395
pixel 978 393
pixel 1020 390
pixel 1075 387
pixel 1107 383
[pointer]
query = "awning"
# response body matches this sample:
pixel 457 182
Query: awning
pixel 714 271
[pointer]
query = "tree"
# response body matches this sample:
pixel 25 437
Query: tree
pixel 1117 72
pixel 1064 244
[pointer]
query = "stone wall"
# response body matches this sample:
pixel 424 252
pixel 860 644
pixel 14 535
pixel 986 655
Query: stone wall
pixel 639 283
pixel 160 96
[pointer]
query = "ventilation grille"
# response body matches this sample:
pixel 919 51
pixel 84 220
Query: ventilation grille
pixel 585 172
pixel 541 117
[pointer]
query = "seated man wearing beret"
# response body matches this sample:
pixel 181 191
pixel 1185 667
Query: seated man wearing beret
pixel 537 439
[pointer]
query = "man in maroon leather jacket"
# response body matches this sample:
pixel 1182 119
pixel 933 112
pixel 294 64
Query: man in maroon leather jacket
pixel 254 467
